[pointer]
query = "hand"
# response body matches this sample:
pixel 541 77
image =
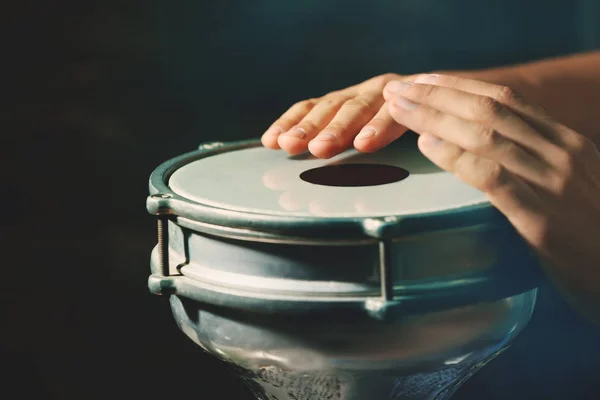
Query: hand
pixel 543 176
pixel 328 125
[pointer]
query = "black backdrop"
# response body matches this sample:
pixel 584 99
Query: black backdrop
pixel 96 95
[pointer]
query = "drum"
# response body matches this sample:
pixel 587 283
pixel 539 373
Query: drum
pixel 365 276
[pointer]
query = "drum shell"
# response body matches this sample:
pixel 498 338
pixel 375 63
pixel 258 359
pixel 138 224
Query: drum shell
pixel 333 342
pixel 305 307
pixel 269 275
pixel 301 312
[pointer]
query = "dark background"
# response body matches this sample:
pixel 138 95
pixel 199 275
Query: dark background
pixel 97 95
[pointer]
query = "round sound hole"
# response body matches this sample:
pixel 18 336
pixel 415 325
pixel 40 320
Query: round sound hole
pixel 352 175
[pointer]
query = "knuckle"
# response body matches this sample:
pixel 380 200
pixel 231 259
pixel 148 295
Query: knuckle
pixel 493 178
pixel 335 99
pixel 460 163
pixel 566 162
pixel 312 102
pixel 512 151
pixel 285 122
pixel 303 106
pixel 507 95
pixel 336 127
pixel 454 82
pixel 382 80
pixel 359 103
pixel 488 109
pixel 334 93
pixel 426 92
pixel 381 121
pixel 308 125
pixel 580 144
pixel 388 76
pixel 485 139
pixel 488 176
pixel 558 183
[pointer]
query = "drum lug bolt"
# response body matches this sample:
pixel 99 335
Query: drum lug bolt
pixel 163 245
pixel 385 271
pixel 163 211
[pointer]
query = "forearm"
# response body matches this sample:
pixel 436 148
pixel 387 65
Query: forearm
pixel 567 87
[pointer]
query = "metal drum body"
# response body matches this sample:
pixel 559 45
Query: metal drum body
pixel 320 292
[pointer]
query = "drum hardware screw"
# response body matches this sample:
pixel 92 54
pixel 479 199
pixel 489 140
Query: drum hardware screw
pixel 161 196
pixel 163 245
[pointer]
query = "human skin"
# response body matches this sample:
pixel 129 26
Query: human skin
pixel 535 154
pixel 566 87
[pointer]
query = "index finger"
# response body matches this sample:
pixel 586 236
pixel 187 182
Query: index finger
pixel 530 113
pixel 472 107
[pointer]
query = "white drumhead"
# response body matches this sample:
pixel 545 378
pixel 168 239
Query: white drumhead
pixel 260 180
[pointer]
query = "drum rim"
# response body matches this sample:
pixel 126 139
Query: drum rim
pixel 162 200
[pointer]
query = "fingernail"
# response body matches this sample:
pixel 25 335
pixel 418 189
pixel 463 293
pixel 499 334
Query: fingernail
pixel 427 79
pixel 296 132
pixel 430 140
pixel 366 133
pixel 404 103
pixel 273 131
pixel 398 86
pixel 326 137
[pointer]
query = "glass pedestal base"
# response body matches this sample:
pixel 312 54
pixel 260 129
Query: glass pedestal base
pixel 416 357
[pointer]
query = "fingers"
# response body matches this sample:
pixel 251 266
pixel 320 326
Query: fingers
pixel 379 132
pixel 533 114
pixel 351 117
pixel 474 137
pixel 547 140
pixel 480 109
pixel 296 140
pixel 482 173
pixel 290 118
pixel 327 126
pixel 506 191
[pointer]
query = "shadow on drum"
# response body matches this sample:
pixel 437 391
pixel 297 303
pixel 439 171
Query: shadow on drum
pixel 307 184
pixel 402 152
